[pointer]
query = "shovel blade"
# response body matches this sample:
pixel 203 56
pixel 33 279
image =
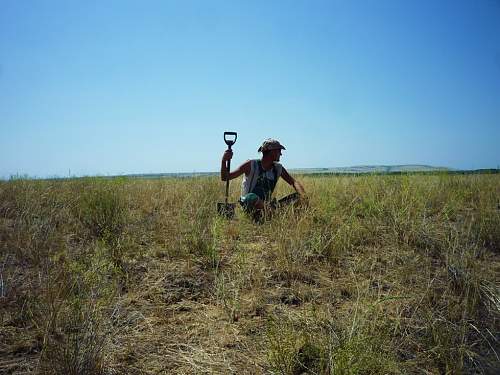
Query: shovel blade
pixel 226 209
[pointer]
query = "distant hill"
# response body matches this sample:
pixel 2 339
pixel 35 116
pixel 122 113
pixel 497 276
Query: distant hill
pixel 337 170
pixel 358 169
pixel 374 169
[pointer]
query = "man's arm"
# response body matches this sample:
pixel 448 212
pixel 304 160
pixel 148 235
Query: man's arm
pixel 224 175
pixel 292 182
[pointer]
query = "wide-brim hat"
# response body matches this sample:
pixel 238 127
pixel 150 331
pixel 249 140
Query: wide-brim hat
pixel 271 144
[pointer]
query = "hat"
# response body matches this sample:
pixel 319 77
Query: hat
pixel 271 144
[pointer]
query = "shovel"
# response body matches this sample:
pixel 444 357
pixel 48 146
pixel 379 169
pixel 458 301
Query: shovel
pixel 223 208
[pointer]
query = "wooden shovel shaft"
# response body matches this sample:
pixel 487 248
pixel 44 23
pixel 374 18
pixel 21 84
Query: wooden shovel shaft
pixel 227 181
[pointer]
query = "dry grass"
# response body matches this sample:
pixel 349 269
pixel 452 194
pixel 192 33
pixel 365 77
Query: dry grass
pixel 375 275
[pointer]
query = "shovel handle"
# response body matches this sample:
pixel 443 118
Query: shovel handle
pixel 230 142
pixel 228 163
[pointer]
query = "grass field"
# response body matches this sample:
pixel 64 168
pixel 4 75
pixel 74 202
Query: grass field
pixel 373 275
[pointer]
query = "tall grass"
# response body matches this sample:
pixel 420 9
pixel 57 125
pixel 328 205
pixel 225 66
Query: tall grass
pixel 374 274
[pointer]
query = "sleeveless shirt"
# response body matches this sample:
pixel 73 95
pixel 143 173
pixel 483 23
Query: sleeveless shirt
pixel 249 182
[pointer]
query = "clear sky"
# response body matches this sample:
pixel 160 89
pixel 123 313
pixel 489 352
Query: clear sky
pixel 117 87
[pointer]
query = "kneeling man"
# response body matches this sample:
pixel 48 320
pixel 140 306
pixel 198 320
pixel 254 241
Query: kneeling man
pixel 261 176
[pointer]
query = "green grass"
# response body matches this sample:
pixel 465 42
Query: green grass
pixel 374 274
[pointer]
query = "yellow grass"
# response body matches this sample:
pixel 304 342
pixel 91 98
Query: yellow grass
pixel 374 275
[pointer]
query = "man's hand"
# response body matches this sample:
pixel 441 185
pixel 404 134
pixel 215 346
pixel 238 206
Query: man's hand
pixel 228 155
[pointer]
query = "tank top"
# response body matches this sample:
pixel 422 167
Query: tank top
pixel 259 181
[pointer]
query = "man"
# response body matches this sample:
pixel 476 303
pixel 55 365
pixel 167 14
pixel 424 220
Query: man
pixel 260 177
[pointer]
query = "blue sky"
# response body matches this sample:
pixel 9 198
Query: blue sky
pixel 117 87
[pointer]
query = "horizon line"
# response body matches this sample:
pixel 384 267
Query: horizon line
pixel 351 170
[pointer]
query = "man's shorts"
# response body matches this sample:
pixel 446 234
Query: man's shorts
pixel 247 201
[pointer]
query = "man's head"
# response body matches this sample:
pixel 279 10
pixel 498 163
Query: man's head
pixel 271 147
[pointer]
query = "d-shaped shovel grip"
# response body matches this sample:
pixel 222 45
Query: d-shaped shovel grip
pixel 230 142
